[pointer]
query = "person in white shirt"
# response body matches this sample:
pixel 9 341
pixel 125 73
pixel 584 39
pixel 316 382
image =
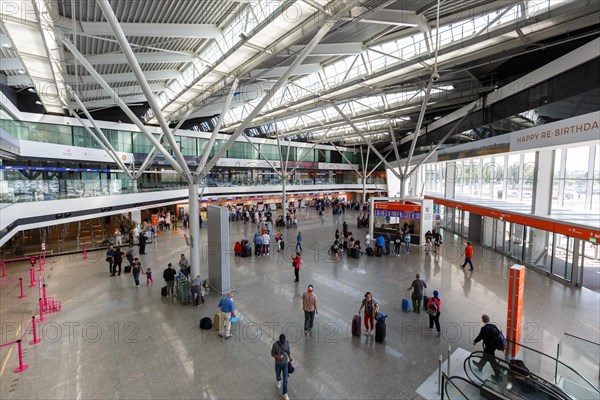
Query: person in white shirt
pixel 368 240
pixel 266 241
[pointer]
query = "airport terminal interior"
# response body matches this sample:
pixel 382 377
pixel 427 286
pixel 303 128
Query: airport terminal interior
pixel 274 151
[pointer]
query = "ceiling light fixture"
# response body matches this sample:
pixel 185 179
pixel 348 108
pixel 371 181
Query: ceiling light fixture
pixel 7 45
pixel 21 71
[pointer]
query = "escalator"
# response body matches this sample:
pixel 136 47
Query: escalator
pixel 514 383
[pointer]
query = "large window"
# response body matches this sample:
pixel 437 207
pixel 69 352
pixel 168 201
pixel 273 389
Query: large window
pixel 575 172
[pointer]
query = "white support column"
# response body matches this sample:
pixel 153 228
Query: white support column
pixel 542 183
pixel 562 174
pixel 505 178
pixel 195 245
pixel 521 176
pixel 588 187
pixel 450 182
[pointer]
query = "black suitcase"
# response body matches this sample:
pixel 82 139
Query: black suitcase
pixel 163 291
pixel 127 269
pixel 206 323
pixel 380 331
pixel 425 301
pixel 369 251
pixel 356 320
pixel 282 243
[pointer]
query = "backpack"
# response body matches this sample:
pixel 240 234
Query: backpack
pixel 432 307
pixel 498 339
pixel 398 240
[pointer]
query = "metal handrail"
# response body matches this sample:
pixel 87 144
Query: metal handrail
pixel 550 386
pixel 557 360
pixel 448 379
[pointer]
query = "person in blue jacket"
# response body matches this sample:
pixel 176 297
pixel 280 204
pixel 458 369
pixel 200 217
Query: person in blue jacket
pixel 379 243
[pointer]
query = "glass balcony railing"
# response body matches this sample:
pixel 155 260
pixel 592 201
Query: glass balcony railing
pixel 21 191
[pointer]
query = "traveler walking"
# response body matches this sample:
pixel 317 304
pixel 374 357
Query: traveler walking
pixel 299 241
pixel 371 309
pixel 296 261
pixel 490 335
pixel 110 259
pixel 136 270
pixel 169 277
pixel 227 308
pixel 397 244
pixel 117 260
pixel 282 354
pixel 309 305
pixel 149 276
pixel 468 256
pixel 434 308
pixel 417 296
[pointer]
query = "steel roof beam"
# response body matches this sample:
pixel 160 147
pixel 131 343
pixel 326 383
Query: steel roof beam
pixel 166 75
pixel 107 145
pixel 62 37
pixel 284 77
pixel 213 137
pixel 152 100
pixel 359 133
pixel 278 71
pixel 327 49
pixel 121 91
pixel 152 57
pixel 205 31
pixel 10 63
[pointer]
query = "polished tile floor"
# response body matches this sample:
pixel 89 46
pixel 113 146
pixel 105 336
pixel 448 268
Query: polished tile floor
pixel 112 340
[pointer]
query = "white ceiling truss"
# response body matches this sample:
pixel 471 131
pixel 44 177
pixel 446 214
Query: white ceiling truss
pixel 374 62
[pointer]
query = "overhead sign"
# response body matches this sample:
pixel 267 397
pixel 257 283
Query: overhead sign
pixel 583 128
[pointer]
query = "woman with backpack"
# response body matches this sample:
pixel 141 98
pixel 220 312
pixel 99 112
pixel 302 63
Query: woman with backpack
pixel 434 308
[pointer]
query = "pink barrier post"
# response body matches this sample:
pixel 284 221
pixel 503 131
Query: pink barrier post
pixel 85 252
pixel 36 339
pixel 3 269
pixel 44 257
pixel 41 268
pixel 32 277
pixel 22 367
pixel 44 294
pixel 23 295
pixel 41 318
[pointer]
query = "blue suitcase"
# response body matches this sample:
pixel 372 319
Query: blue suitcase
pixel 406 304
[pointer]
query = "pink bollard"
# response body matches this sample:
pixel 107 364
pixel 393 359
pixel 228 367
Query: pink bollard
pixel 41 318
pixel 32 277
pixel 44 294
pixel 44 257
pixel 85 252
pixel 23 295
pixel 36 339
pixel 22 367
pixel 41 268
pixel 3 269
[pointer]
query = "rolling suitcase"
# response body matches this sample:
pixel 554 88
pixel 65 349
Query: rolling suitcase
pixel 217 321
pixel 356 320
pixel 127 269
pixel 406 304
pixel 163 291
pixel 425 301
pixel 380 331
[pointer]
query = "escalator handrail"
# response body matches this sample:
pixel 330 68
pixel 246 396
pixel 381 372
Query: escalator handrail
pixel 550 385
pixel 556 360
pixel 460 378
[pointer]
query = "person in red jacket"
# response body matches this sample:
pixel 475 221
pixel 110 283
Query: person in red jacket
pixel 434 308
pixel 296 261
pixel 468 256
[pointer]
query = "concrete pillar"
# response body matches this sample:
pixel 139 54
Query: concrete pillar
pixel 414 185
pixel 364 188
pixel 450 182
pixel 541 203
pixel 195 247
